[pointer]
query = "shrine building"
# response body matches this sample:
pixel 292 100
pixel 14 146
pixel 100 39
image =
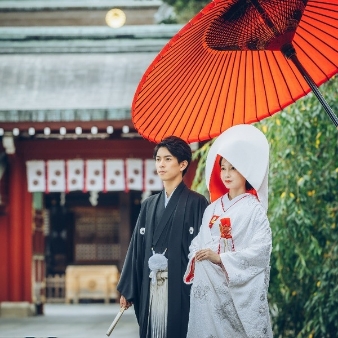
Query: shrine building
pixel 73 170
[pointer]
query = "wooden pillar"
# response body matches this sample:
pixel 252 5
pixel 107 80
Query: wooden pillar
pixel 4 259
pixel 124 199
pixel 4 233
pixel 19 269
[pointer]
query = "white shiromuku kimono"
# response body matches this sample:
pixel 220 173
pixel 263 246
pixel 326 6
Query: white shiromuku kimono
pixel 231 300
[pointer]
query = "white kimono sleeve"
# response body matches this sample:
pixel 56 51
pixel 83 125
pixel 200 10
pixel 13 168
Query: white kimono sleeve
pixel 254 257
pixel 196 245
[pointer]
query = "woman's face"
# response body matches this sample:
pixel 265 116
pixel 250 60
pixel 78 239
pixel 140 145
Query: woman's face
pixel 230 177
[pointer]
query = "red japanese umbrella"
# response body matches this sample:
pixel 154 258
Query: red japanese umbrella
pixel 237 61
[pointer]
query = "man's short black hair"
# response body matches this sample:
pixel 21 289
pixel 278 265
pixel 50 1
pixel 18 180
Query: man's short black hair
pixel 177 147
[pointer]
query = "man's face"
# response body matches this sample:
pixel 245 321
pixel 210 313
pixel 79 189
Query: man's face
pixel 167 165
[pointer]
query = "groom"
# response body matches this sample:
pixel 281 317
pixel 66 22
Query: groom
pixel 167 223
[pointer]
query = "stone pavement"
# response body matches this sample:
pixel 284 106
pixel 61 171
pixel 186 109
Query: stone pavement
pixel 72 321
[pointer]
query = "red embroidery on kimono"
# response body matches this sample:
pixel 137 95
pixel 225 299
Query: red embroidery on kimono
pixel 225 233
pixel 225 227
pixel 191 274
pixel 213 220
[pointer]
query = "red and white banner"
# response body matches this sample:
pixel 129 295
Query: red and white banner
pixel 114 179
pixel 75 175
pixel 92 175
pixel 134 174
pixel 152 181
pixel 56 177
pixel 36 176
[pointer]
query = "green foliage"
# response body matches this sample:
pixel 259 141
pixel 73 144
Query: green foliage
pixel 303 215
pixel 198 183
pixel 303 204
pixel 186 9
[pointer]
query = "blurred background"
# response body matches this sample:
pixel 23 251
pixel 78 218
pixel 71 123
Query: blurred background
pixel 73 170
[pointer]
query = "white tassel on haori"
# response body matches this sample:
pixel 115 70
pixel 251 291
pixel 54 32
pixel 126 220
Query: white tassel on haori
pixel 158 306
pixel 157 262
pixel 158 302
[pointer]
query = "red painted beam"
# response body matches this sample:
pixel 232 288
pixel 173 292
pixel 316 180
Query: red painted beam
pixel 48 149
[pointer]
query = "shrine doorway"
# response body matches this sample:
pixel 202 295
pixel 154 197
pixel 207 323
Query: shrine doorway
pixel 81 234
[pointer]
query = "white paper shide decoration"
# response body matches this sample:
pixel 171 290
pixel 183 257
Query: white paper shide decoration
pixel 36 176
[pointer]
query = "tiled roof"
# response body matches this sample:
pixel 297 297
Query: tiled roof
pixel 70 81
pixel 66 4
pixel 48 71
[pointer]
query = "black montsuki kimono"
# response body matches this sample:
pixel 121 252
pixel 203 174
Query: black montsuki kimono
pixel 172 227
